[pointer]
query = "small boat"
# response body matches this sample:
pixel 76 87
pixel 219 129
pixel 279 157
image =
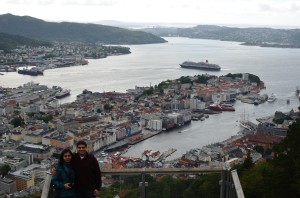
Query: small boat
pixel 288 101
pixel 227 105
pixel 297 90
pixel 256 102
pixel 272 98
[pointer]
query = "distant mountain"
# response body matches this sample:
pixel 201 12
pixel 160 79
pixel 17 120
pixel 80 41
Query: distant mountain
pixel 265 37
pixel 8 42
pixel 66 31
pixel 135 25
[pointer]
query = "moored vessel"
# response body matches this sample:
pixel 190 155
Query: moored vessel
pixel 247 125
pixel 32 71
pixel 63 93
pixel 216 107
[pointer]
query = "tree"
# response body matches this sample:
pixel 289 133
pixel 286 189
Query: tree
pixel 279 177
pixel 185 79
pixel 30 114
pixel 149 91
pixel 47 118
pixel 259 149
pixel 253 181
pixel 285 179
pixel 4 170
pixel 203 78
pixel 18 121
pixel 248 163
pixel 107 107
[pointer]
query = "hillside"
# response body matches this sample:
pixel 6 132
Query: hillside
pixel 8 42
pixel 65 31
pixel 265 37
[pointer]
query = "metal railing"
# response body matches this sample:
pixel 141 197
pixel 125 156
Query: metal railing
pixel 229 184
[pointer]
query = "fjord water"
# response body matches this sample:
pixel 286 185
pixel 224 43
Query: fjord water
pixel 149 64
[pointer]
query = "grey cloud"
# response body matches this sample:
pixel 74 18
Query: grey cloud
pixel 19 2
pixel 45 2
pixel 29 2
pixel 295 8
pixel 265 7
pixel 288 7
pixel 90 2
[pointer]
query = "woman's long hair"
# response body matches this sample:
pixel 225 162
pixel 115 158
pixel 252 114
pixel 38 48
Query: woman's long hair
pixel 61 158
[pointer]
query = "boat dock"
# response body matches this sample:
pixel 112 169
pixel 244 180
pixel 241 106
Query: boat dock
pixel 265 119
pixel 249 125
pixel 166 154
pixel 144 135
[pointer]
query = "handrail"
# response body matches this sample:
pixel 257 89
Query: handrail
pixel 237 184
pixel 46 186
pixel 132 171
pixel 227 184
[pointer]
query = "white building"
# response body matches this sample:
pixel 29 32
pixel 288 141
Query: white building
pixel 155 125
pixel 196 104
pixel 245 76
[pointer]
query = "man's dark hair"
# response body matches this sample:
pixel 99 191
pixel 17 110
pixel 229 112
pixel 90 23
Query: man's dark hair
pixel 81 142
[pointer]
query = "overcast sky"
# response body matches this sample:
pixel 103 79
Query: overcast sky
pixel 249 12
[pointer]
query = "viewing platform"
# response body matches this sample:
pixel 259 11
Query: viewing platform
pixel 230 186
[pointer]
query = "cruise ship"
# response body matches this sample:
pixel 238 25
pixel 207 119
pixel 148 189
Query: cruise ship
pixel 200 65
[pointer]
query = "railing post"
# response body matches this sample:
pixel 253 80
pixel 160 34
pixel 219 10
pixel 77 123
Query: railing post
pixel 223 184
pixel 46 186
pixel 237 185
pixel 228 184
pixel 143 185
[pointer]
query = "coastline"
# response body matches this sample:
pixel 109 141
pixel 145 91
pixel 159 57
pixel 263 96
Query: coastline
pixel 114 73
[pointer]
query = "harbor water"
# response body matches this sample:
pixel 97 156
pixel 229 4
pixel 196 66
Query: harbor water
pixel 150 64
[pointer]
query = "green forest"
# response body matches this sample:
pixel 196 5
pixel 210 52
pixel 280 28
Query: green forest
pixel 9 42
pixel 69 32
pixel 278 177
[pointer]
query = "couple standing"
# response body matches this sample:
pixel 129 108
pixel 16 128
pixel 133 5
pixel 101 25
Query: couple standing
pixel 76 175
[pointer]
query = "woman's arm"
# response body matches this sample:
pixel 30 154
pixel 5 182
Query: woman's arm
pixel 56 180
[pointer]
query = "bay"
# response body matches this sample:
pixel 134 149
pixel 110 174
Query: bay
pixel 150 64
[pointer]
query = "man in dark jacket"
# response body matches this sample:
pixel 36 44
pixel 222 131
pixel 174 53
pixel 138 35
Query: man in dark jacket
pixel 87 173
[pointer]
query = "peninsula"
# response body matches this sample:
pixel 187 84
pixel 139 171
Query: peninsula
pixel 35 127
pixel 264 37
